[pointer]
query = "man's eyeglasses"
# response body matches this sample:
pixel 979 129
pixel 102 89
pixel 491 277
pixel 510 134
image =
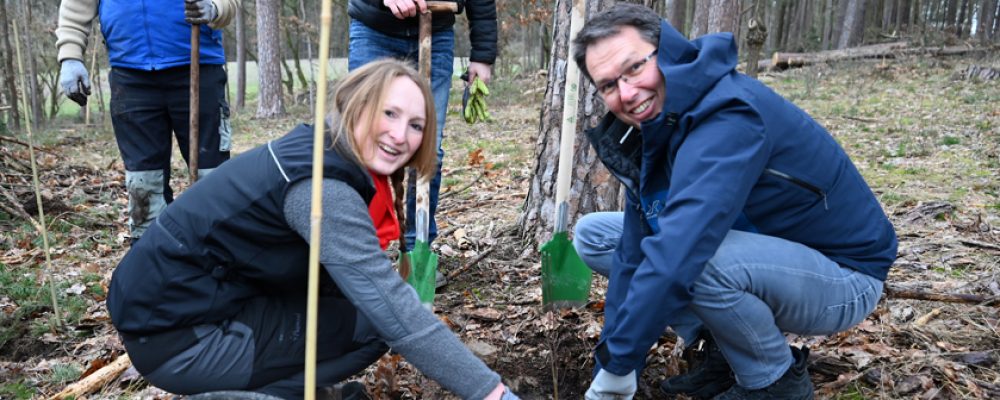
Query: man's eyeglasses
pixel 608 88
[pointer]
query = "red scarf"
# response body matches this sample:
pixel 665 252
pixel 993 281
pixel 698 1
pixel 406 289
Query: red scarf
pixel 382 211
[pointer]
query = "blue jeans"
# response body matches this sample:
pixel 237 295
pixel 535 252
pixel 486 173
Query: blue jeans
pixel 755 288
pixel 366 45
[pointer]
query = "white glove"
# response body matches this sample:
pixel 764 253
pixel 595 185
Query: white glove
pixel 199 11
pixel 608 386
pixel 75 81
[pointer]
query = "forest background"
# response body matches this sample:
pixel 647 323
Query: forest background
pixel 908 87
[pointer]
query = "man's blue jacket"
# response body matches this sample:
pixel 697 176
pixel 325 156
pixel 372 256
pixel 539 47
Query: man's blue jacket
pixel 732 154
pixel 152 35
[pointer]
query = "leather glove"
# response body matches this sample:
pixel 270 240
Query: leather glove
pixel 75 81
pixel 199 11
pixel 608 386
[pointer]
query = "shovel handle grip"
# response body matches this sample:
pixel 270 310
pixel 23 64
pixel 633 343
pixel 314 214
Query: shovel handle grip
pixel 442 6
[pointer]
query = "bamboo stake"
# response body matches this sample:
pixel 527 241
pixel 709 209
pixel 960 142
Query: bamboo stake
pixel 34 179
pixel 316 215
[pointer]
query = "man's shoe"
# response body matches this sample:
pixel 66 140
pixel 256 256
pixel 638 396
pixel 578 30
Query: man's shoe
pixel 706 379
pixel 793 385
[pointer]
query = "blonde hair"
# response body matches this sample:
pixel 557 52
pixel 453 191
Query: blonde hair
pixel 359 99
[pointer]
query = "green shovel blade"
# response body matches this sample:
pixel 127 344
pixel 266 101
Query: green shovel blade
pixel 565 278
pixel 423 265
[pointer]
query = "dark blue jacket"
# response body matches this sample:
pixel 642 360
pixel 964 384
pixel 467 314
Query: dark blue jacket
pixel 223 241
pixel 152 35
pixel 731 154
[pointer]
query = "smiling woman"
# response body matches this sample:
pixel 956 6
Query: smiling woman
pixel 212 297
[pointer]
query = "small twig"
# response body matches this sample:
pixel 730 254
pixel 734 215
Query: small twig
pixel 444 195
pixel 868 120
pixel 17 209
pixel 975 243
pixel 475 260
pixel 896 292
pixel 924 319
pixel 22 143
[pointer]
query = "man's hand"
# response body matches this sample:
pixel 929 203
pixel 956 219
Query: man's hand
pixel 482 70
pixel 404 9
pixel 608 386
pixel 199 11
pixel 74 81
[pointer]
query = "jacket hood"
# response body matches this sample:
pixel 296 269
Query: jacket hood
pixel 691 68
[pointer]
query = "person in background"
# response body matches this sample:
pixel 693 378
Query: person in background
pixel 149 49
pixel 389 28
pixel 744 218
pixel 214 295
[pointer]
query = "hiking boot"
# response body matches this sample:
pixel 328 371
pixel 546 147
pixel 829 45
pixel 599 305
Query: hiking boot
pixel 706 379
pixel 352 390
pixel 793 385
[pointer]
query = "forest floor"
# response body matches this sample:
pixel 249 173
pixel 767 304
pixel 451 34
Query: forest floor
pixel 925 138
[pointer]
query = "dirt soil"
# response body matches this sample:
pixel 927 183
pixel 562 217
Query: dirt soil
pixel 925 138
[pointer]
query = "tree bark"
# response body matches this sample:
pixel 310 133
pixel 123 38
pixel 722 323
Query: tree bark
pixel 986 20
pixel 756 37
pixel 723 16
pixel 827 25
pixel 854 20
pixel 270 103
pixel 241 59
pixel 593 187
pixel 699 23
pixel 676 14
pixel 15 115
pixel 34 91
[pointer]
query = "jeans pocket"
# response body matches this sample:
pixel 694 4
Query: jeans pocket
pixel 225 130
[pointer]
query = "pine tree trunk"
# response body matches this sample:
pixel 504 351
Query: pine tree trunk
pixel 699 23
pixel 270 103
pixel 827 25
pixel 756 37
pixel 676 14
pixel 853 22
pixel 723 16
pixel 986 21
pixel 593 188
pixel 34 91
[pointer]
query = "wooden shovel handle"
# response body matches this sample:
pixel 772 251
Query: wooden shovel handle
pixel 193 106
pixel 442 6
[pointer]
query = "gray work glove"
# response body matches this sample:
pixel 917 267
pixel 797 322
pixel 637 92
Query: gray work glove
pixel 74 81
pixel 608 386
pixel 199 11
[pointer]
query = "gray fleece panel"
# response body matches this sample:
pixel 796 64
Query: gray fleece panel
pixel 350 253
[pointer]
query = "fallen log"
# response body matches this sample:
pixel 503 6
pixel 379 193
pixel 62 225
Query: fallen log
pixel 96 380
pixel 781 61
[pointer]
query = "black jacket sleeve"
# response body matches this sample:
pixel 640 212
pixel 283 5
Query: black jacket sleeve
pixel 482 15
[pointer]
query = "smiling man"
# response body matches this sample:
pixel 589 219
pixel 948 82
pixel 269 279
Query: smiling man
pixel 744 218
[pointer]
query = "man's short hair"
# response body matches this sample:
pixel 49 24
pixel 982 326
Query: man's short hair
pixel 609 23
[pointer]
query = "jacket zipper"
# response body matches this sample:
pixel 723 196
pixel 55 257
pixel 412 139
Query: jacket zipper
pixel 800 183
